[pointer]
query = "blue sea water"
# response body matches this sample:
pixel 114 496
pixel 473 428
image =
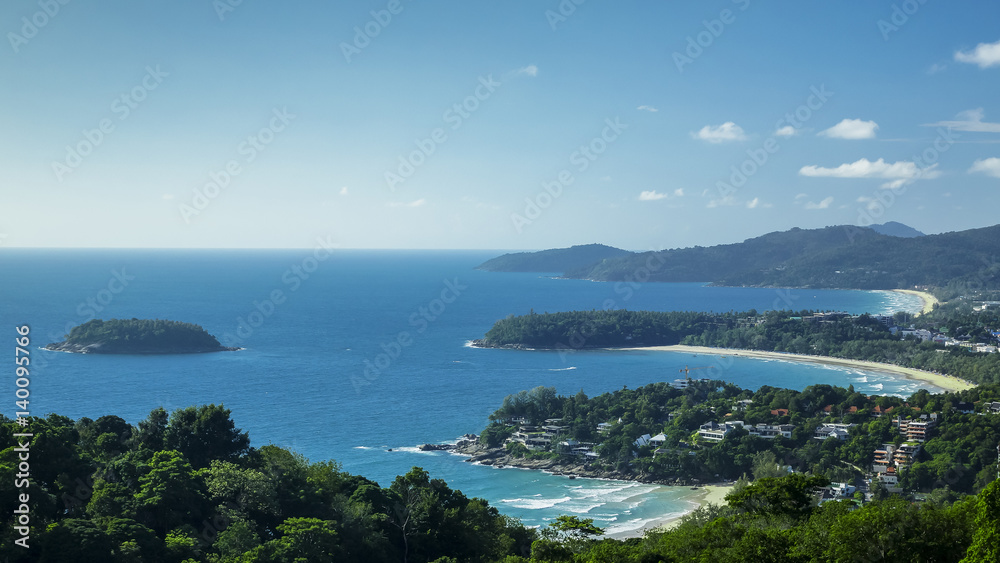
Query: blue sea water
pixel 351 355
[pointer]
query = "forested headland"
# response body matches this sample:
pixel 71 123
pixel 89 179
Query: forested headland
pixel 861 337
pixel 958 455
pixel 844 256
pixel 138 336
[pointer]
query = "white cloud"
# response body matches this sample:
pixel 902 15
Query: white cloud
pixel 416 203
pixel 679 192
pixel 989 166
pixel 899 173
pixel 872 202
pixel 985 55
pixel 851 129
pixel 821 205
pixel 727 201
pixel 651 195
pixel 787 131
pixel 650 109
pixel 730 201
pixel 969 120
pixel 800 196
pixel 168 196
pixel 936 68
pixel 530 70
pixel 728 131
pixel 343 190
pixel 756 202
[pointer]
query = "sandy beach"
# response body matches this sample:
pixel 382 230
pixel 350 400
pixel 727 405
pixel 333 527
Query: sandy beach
pixel 928 299
pixel 709 494
pixel 943 381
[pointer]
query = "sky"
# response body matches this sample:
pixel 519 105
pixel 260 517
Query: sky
pixel 501 125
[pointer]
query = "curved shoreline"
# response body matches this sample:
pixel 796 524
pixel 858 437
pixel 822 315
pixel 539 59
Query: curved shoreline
pixel 929 301
pixel 497 458
pixel 945 382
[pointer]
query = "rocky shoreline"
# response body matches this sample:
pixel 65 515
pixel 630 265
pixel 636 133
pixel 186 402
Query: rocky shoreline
pixel 563 465
pixel 99 348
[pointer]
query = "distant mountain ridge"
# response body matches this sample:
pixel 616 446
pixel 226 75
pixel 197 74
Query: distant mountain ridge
pixel 554 260
pixel 845 256
pixel 894 229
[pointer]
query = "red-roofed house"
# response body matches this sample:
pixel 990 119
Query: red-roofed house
pixel 879 411
pixel 780 412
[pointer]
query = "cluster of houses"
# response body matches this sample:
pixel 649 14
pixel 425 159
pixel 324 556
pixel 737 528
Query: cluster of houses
pixel 940 338
pixel 837 431
pixel 537 437
pixel 715 432
pixel 890 460
pixel 543 438
pixel 836 491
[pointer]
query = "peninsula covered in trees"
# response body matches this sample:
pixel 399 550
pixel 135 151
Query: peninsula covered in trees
pixel 898 340
pixel 707 430
pixel 138 336
pixel 845 256
pixel 554 260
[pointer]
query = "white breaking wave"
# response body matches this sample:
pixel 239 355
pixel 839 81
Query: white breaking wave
pixel 616 494
pixel 641 523
pixel 534 503
pixel 582 509
pixel 412 450
pixel 563 369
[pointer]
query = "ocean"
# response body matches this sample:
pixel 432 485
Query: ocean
pixel 352 354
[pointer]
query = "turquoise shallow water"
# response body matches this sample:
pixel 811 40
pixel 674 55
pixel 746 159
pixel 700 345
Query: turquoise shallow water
pixel 366 351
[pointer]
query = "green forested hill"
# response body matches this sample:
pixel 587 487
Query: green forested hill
pixel 832 257
pixel 555 260
pixel 862 338
pixel 137 336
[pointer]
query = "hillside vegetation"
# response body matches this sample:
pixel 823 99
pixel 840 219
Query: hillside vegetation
pixel 832 257
pixel 188 488
pixel 552 261
pixel 137 336
pixel 804 332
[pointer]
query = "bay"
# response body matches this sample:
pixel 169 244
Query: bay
pixel 352 354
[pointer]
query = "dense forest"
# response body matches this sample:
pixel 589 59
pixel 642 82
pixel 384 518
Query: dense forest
pixel 860 338
pixel 833 257
pixel 959 455
pixel 139 336
pixel 188 487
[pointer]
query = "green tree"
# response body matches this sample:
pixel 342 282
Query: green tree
pixel 790 496
pixel 205 433
pixel 986 540
pixel 74 540
pixel 302 540
pixel 171 493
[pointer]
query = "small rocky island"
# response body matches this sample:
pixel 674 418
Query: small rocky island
pixel 138 336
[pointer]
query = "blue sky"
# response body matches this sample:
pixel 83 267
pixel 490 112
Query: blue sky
pixel 653 125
